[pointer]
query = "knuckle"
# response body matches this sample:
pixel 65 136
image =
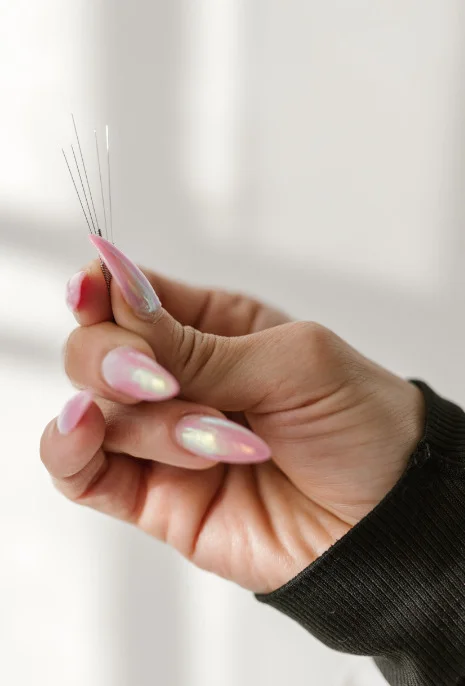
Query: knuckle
pixel 318 345
pixel 194 351
pixel 316 338
pixel 325 350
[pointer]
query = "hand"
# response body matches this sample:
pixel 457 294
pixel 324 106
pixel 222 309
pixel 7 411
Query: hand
pixel 340 428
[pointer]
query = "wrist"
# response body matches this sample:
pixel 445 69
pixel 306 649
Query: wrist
pixel 401 422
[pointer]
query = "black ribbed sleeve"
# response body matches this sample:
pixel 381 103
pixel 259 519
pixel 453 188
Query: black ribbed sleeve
pixel 394 586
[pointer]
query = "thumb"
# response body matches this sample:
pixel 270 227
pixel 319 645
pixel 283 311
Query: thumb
pixel 230 373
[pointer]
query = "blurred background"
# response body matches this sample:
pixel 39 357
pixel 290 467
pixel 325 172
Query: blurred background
pixel 308 152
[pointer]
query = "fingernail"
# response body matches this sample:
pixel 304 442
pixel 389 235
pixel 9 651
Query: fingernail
pixel 73 290
pixel 220 439
pixel 137 375
pixel 73 412
pixel 134 285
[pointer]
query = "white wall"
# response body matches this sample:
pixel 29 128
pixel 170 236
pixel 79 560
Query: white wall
pixel 310 153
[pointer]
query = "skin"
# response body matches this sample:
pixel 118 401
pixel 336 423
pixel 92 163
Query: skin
pixel 340 427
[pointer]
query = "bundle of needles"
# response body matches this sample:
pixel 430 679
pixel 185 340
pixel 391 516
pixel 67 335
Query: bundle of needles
pixel 83 190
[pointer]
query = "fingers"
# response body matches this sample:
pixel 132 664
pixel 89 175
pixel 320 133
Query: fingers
pixel 209 310
pixel 84 473
pixel 199 360
pixel 77 436
pixel 87 296
pixel 119 366
pixel 216 370
pixel 148 432
pixel 182 434
pixel 166 501
pixel 117 361
pixel 214 310
pixel 234 374
pixel 116 364
pixel 111 362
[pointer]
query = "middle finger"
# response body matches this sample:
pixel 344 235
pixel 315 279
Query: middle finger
pixel 116 364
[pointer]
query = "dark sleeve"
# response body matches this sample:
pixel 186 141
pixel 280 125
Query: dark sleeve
pixel 394 586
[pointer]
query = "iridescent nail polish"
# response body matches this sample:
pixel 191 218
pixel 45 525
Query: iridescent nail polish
pixel 74 290
pixel 134 285
pixel 137 375
pixel 220 440
pixel 73 412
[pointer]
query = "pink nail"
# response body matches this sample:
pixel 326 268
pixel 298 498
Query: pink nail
pixel 134 285
pixel 220 440
pixel 74 289
pixel 137 375
pixel 73 412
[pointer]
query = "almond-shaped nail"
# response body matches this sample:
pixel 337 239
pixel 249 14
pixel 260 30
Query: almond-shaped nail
pixel 73 412
pixel 74 290
pixel 134 285
pixel 131 372
pixel 220 440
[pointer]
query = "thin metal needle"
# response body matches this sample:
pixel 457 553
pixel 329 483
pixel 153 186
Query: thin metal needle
pixel 109 184
pixel 83 189
pixel 85 172
pixel 101 184
pixel 76 189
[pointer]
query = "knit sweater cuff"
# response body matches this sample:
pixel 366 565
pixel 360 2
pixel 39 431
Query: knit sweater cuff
pixel 394 586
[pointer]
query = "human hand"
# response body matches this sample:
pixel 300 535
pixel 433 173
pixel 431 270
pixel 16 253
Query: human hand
pixel 340 428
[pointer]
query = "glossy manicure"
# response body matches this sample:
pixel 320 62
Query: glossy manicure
pixel 73 412
pixel 137 375
pixel 221 440
pixel 135 287
pixel 74 290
